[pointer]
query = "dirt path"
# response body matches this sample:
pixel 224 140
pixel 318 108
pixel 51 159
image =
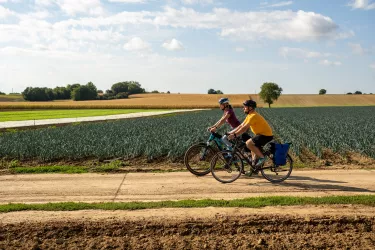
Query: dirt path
pixel 176 186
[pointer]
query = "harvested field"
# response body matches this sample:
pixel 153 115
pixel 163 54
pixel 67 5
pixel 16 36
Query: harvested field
pixel 268 228
pixel 196 101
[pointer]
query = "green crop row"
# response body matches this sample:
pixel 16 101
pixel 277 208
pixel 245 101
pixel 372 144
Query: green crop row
pixel 337 128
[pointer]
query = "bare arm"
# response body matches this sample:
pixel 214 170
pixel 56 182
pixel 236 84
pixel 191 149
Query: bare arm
pixel 221 121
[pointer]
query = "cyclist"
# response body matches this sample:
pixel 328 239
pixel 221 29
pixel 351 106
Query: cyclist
pixel 260 127
pixel 230 117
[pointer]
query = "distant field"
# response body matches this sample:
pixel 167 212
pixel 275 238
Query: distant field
pixel 52 114
pixel 196 101
pixel 11 98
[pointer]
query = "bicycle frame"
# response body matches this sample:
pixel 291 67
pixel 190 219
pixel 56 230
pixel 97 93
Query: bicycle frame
pixel 237 149
pixel 217 139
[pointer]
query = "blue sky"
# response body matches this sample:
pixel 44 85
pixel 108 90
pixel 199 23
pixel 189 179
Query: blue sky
pixel 189 46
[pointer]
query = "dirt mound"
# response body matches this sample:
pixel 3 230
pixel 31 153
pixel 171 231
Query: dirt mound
pixel 239 232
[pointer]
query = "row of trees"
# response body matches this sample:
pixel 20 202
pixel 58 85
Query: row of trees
pixel 79 92
pixel 323 92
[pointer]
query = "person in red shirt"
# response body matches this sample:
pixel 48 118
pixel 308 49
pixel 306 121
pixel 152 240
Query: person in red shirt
pixel 228 116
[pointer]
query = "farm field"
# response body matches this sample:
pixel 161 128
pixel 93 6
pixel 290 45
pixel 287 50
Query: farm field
pixel 166 101
pixel 64 113
pixel 316 134
pixel 317 209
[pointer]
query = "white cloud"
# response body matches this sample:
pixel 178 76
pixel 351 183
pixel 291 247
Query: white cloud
pixel 126 1
pixel 73 7
pixel 191 2
pixel 44 3
pixel 357 49
pixel 280 4
pixel 173 45
pixel 4 12
pixel 330 63
pixel 362 4
pixel 240 49
pixel 274 25
pixel 301 53
pixel 137 44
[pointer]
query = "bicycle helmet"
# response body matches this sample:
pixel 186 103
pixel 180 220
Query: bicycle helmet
pixel 223 100
pixel 250 103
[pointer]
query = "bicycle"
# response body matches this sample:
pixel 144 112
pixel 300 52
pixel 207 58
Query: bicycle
pixel 228 165
pixel 198 157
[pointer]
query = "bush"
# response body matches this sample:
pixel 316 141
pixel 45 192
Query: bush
pixel 85 92
pixel 122 95
pixel 2 93
pixel 38 94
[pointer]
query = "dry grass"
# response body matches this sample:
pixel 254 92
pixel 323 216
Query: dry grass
pixel 196 101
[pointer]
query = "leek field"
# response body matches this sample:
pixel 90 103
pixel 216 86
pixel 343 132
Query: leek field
pixel 340 129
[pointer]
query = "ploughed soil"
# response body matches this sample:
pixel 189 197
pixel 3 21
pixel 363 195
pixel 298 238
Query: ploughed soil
pixel 317 227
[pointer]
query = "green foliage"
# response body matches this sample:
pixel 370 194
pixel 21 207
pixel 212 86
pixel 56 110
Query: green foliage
pixel 322 92
pixel 212 91
pixel 122 95
pixel 2 93
pixel 85 92
pixel 358 93
pixel 170 136
pixel 38 94
pixel 325 127
pixel 254 202
pixel 61 93
pixel 270 92
pixel 131 87
pixel 109 167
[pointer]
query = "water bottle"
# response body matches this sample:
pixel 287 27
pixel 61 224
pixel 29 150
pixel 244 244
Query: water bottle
pixel 226 141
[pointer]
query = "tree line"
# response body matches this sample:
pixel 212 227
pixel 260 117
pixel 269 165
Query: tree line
pixel 78 92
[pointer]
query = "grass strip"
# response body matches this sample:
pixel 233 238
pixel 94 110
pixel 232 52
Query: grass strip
pixel 68 113
pixel 254 202
pixel 49 169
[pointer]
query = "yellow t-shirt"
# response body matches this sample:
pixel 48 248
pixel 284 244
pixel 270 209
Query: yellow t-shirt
pixel 258 124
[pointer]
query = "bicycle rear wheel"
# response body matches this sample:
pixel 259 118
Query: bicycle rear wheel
pixel 198 157
pixel 274 173
pixel 226 167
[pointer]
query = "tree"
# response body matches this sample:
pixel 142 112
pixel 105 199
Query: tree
pixel 219 92
pixel 61 93
pixel 270 92
pixel 155 92
pixel 38 94
pixel 168 92
pixel 349 93
pixel 85 92
pixel 119 87
pixel 358 93
pixel 2 93
pixel 131 87
pixel 211 91
pixel 322 92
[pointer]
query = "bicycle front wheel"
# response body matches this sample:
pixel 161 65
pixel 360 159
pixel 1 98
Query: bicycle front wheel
pixel 226 167
pixel 198 158
pixel 274 173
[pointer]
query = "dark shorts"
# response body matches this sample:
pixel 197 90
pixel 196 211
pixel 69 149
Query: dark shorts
pixel 261 140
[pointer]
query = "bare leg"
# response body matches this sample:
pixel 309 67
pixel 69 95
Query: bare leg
pixel 254 149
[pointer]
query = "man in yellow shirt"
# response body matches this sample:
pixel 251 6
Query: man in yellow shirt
pixel 260 127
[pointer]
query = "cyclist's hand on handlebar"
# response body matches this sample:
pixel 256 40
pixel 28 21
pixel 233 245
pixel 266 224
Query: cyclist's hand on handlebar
pixel 212 129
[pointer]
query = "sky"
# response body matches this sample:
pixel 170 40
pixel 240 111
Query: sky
pixel 189 46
